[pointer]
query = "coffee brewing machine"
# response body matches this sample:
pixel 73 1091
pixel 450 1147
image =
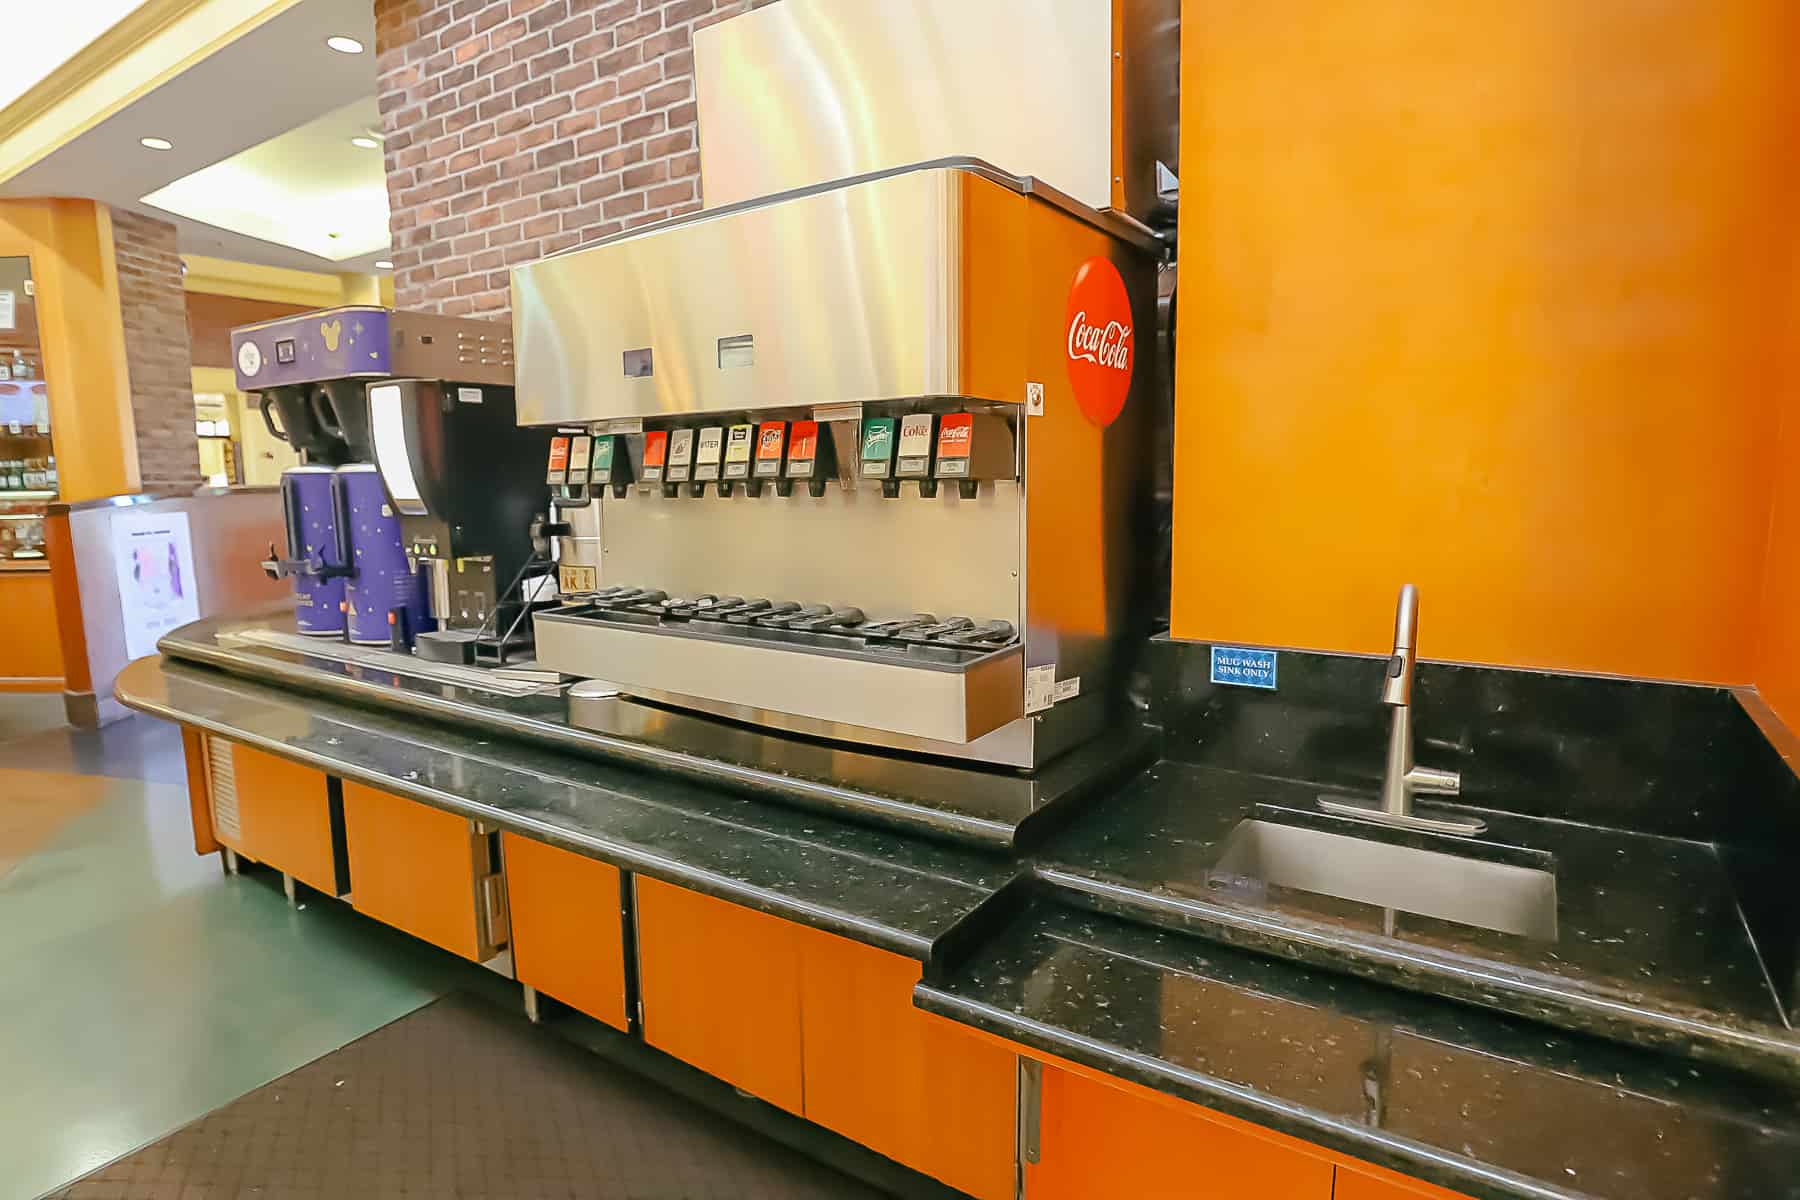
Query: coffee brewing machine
pixel 411 514
pixel 864 458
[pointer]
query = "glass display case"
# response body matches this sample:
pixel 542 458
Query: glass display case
pixel 28 481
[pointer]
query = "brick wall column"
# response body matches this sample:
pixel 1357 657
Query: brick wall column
pixel 154 310
pixel 517 128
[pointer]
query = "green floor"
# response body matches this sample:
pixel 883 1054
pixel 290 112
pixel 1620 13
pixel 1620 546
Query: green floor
pixel 140 987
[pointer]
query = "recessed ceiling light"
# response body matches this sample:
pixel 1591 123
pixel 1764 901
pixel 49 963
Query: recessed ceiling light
pixel 156 143
pixel 344 45
pixel 364 143
pixel 383 264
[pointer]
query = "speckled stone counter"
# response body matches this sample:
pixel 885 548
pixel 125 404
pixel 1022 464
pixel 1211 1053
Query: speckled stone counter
pixel 897 893
pixel 1650 946
pixel 1446 1090
pixel 1489 1105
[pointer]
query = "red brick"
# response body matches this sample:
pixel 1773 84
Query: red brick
pixel 644 176
pixel 674 193
pixel 517 128
pixel 619 206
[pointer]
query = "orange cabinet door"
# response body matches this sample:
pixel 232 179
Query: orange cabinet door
pixel 568 936
pixel 1096 1139
pixel 721 989
pixel 1373 1183
pixel 907 1084
pixel 415 868
pixel 283 817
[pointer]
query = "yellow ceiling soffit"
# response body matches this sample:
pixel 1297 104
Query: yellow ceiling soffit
pixel 155 43
pixel 284 285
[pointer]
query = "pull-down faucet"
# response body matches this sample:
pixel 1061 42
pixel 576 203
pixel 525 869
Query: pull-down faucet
pixel 1403 778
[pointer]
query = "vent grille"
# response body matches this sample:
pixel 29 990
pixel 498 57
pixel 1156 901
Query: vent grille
pixel 226 826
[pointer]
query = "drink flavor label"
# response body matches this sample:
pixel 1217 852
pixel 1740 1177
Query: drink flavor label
pixel 803 449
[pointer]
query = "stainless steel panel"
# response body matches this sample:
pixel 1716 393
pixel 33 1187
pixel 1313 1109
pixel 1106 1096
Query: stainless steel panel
pixel 850 294
pixel 1450 887
pixel 1027 743
pixel 890 558
pixel 945 704
pixel 812 90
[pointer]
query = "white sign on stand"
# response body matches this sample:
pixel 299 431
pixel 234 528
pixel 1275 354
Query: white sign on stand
pixel 154 560
pixel 9 310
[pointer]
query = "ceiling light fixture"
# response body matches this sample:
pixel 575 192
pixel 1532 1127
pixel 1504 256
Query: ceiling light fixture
pixel 382 264
pixel 344 45
pixel 156 143
pixel 364 143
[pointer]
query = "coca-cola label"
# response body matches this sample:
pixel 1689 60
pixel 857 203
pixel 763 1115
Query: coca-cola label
pixel 1102 349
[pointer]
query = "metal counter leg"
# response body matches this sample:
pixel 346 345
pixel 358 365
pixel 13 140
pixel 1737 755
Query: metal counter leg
pixel 531 1003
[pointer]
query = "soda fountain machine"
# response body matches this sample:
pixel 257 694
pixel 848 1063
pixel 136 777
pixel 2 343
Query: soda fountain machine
pixel 866 458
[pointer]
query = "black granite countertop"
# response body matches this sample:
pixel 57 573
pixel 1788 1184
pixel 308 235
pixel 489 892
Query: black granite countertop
pixel 882 888
pixel 1486 1104
pixel 1650 946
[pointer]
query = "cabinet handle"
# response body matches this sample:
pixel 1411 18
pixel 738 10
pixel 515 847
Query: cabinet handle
pixel 1031 1088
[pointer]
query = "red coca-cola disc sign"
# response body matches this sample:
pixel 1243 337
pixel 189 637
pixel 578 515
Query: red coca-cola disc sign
pixel 1101 350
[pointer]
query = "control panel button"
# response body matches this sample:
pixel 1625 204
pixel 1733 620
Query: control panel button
pixel 877 453
pixel 803 449
pixel 656 454
pixel 602 469
pixel 739 441
pixel 581 458
pixel 681 455
pixel 914 457
pixel 954 442
pixel 558 473
pixel 709 451
pixel 771 441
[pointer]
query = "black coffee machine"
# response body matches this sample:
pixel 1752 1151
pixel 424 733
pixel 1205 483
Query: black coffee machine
pixel 468 484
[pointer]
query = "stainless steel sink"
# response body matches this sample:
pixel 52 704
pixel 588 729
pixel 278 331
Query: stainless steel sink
pixel 1450 887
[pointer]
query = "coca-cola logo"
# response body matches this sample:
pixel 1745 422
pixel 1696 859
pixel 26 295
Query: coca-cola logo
pixel 1100 348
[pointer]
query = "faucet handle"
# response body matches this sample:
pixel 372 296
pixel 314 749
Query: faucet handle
pixel 1433 781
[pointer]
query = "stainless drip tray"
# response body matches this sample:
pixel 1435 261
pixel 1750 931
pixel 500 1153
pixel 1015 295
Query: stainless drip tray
pixel 939 690
pixel 847 638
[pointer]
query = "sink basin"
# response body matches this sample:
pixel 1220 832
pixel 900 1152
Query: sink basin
pixel 1451 887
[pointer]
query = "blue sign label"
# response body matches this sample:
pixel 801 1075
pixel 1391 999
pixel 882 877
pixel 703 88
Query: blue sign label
pixel 1243 668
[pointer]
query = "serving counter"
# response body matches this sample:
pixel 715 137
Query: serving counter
pixel 957 1004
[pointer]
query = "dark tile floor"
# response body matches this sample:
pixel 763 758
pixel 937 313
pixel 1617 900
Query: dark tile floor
pixel 462 1099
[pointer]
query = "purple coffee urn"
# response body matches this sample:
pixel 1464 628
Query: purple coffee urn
pixel 306 498
pixel 383 581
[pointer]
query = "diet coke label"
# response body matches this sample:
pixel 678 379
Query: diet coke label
pixel 1101 350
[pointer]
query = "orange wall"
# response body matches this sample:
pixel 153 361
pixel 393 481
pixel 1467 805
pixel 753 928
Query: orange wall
pixel 71 249
pixel 1778 648
pixel 1488 296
